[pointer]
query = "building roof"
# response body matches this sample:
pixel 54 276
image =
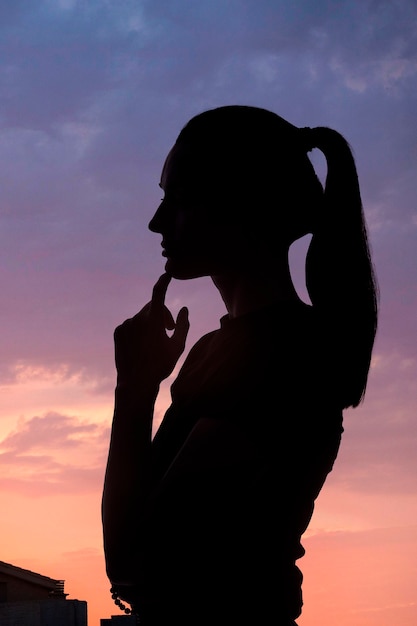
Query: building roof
pixel 55 586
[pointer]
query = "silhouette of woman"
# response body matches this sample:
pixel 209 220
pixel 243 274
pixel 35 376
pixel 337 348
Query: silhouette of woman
pixel 202 525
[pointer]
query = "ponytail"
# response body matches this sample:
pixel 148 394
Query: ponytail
pixel 340 277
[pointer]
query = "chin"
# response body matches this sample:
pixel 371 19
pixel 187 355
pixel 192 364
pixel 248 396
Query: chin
pixel 183 270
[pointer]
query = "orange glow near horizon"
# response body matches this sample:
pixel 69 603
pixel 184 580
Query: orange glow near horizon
pixel 355 545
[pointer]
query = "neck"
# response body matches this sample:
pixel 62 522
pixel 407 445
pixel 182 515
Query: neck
pixel 243 292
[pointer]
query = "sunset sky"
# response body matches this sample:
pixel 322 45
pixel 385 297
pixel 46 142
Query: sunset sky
pixel 92 96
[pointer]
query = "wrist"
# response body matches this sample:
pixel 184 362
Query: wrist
pixel 137 393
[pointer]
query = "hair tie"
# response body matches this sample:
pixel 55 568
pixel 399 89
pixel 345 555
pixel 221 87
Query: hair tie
pixel 307 140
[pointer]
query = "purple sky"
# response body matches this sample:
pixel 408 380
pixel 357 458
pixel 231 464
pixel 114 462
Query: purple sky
pixel 93 95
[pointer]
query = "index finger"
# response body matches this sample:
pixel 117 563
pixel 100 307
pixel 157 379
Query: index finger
pixel 158 294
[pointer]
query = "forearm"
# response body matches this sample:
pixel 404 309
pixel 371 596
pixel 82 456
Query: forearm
pixel 127 478
pixel 144 355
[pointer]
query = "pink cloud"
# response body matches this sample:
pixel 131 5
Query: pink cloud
pixel 53 454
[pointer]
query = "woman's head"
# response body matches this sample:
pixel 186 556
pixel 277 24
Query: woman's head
pixel 240 188
pixel 244 173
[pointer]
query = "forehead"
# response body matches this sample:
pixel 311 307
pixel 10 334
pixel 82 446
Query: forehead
pixel 182 166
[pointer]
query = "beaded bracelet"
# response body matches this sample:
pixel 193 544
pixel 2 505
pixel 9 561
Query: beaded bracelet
pixel 121 605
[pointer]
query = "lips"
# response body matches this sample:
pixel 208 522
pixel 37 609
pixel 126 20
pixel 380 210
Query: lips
pixel 165 249
pixel 171 250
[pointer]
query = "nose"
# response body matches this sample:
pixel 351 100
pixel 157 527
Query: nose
pixel 156 222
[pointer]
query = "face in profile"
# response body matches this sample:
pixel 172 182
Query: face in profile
pixel 198 236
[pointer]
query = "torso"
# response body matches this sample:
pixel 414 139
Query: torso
pixel 238 536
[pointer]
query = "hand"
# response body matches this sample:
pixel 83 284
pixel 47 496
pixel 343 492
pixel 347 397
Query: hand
pixel 144 353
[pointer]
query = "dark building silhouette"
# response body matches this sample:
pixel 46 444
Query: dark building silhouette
pixel 30 599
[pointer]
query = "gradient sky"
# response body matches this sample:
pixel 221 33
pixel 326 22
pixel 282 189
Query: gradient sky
pixel 93 94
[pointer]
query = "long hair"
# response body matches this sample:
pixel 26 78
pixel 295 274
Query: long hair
pixel 340 275
pixel 256 146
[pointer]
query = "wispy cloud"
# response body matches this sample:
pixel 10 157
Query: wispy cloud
pixel 53 454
